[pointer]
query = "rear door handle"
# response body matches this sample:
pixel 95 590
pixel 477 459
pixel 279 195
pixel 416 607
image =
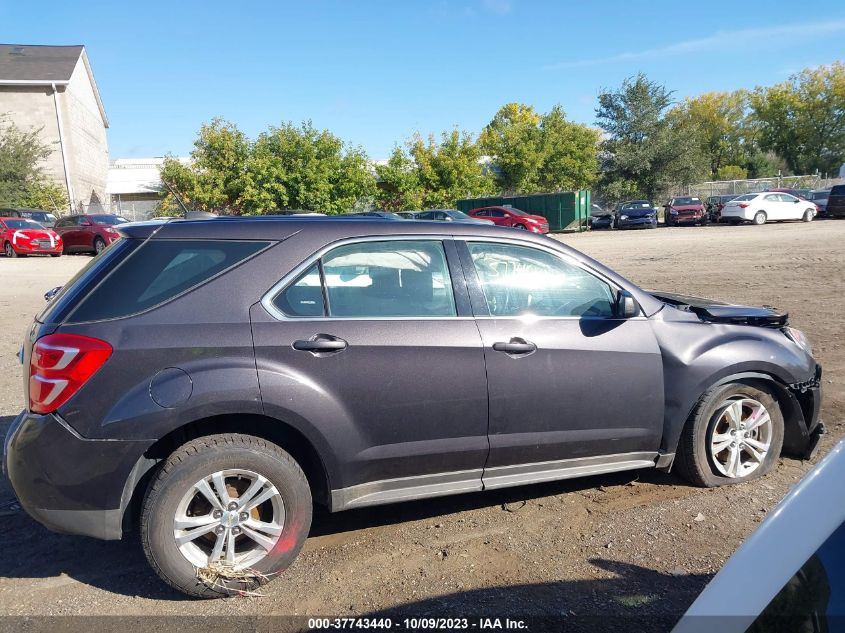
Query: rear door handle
pixel 515 346
pixel 321 343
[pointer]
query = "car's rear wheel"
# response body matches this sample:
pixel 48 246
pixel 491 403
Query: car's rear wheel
pixel 760 218
pixel 735 434
pixel 808 215
pixel 9 250
pixel 99 245
pixel 224 515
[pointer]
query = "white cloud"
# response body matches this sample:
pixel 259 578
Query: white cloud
pixel 497 6
pixel 758 37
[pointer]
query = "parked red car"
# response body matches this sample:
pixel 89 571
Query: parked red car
pixel 509 216
pixel 685 210
pixel 22 237
pixel 88 233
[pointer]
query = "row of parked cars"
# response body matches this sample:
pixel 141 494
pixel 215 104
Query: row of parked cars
pixel 506 215
pixel 757 208
pixel 28 232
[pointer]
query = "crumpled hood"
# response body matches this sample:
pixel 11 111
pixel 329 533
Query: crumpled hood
pixel 719 312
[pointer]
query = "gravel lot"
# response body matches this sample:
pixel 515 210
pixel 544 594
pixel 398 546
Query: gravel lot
pixel 630 544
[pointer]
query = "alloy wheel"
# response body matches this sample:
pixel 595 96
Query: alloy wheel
pixel 231 517
pixel 741 436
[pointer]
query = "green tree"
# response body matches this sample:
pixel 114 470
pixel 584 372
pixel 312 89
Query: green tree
pixel 803 119
pixel 514 140
pixel 643 148
pixel 286 167
pixel 534 152
pixel 300 167
pixel 214 179
pixel 450 169
pixel 399 184
pixel 731 172
pixel 570 153
pixel 22 181
pixel 719 122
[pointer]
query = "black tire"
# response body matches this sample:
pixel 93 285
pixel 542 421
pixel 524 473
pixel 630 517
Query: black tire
pixel 55 254
pixel 693 459
pixel 193 462
pixel 99 245
pixel 9 250
pixel 521 227
pixel 809 214
pixel 760 218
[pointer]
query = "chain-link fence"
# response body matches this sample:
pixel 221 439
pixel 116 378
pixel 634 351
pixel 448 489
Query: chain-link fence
pixel 738 187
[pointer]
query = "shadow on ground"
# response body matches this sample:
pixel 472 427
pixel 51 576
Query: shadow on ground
pixel 633 599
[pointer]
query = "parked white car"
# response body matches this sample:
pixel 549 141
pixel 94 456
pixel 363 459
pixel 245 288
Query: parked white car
pixel 769 206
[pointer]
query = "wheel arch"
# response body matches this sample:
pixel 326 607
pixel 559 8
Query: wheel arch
pixel 271 429
pixel 793 410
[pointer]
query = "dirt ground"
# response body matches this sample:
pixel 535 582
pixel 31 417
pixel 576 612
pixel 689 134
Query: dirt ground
pixel 629 544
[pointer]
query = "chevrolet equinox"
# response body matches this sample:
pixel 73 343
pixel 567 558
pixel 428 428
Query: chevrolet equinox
pixel 207 381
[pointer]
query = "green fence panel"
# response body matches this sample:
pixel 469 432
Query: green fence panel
pixel 565 211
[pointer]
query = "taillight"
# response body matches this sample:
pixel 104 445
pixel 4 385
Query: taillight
pixel 60 364
pixel 742 205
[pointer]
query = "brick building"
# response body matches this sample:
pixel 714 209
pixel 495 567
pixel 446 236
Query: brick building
pixel 52 88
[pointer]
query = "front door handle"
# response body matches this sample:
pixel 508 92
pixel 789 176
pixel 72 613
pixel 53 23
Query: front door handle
pixel 515 346
pixel 321 343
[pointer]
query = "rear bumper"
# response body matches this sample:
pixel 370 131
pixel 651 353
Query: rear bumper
pixel 67 483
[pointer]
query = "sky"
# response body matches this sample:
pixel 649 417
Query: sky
pixel 375 72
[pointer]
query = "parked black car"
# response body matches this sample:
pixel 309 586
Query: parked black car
pixel 204 380
pixel 836 202
pixel 635 214
pixel 600 218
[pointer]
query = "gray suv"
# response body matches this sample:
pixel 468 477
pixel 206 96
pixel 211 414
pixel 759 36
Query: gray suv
pixel 207 381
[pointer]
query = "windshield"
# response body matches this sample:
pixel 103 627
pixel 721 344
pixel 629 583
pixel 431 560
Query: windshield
pixel 516 211
pixel 685 201
pixel 458 215
pixel 747 196
pixel 637 204
pixel 22 224
pixel 108 219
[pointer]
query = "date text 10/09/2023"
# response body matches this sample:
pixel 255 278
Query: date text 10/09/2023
pixel 418 624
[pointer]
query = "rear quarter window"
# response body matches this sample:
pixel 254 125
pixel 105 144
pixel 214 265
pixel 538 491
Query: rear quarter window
pixel 158 271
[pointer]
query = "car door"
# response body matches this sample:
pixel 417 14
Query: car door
pixel 372 345
pixel 64 227
pixel 501 218
pixel 791 206
pixel 573 389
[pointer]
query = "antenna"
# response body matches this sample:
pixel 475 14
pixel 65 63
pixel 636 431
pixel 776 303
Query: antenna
pixel 176 195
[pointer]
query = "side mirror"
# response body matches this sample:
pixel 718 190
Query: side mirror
pixel 796 201
pixel 449 219
pixel 626 306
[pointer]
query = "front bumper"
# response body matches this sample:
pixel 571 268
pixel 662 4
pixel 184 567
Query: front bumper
pixel 67 483
pixel 636 223
pixel 802 439
pixel 28 249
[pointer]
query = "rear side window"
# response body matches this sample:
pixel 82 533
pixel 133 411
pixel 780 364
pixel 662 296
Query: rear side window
pixel 159 271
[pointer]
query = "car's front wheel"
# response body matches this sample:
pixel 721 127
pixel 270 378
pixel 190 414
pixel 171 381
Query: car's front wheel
pixel 734 434
pixel 9 250
pixel 99 245
pixel 224 515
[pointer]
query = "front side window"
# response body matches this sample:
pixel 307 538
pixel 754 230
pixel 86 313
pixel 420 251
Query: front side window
pixel 523 281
